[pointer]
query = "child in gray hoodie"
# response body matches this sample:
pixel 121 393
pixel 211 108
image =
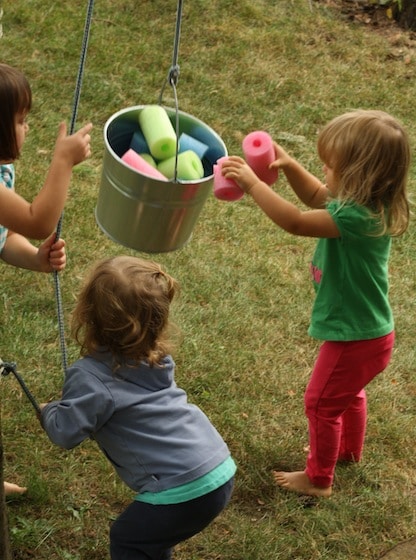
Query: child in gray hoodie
pixel 122 394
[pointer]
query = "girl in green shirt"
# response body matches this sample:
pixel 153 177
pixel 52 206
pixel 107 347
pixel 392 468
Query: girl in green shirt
pixel 354 214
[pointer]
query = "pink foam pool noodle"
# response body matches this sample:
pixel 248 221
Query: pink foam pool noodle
pixel 135 161
pixel 225 189
pixel 259 153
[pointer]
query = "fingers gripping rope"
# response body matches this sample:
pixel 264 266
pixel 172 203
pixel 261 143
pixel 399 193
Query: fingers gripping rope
pixel 10 367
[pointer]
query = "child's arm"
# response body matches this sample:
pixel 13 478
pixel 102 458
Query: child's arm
pixel 38 219
pixel 19 252
pixel 86 404
pixel 312 223
pixel 309 189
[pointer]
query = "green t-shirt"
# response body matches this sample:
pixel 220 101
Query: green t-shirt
pixel 350 276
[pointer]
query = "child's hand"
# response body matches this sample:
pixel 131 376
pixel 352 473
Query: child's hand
pixel 39 414
pixel 282 158
pixel 236 168
pixel 74 148
pixel 52 255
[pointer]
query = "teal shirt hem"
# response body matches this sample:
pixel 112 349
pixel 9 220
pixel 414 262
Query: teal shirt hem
pixel 195 489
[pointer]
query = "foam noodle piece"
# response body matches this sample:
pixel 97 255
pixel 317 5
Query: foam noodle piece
pixel 225 189
pixel 149 159
pixel 259 153
pixel 158 131
pixel 139 164
pixel 189 167
pixel 138 143
pixel 215 149
pixel 187 142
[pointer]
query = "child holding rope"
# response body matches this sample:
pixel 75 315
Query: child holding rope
pixel 363 203
pixel 20 219
pixel 122 393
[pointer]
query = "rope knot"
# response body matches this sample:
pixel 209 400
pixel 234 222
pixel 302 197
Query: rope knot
pixel 173 75
pixel 7 367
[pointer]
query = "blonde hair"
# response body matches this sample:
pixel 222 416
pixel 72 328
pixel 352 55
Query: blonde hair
pixel 123 308
pixel 369 153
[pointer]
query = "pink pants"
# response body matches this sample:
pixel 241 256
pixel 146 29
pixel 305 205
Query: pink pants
pixel 336 403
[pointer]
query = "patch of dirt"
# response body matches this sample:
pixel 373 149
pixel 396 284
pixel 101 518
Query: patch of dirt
pixel 377 19
pixel 365 12
pixel 403 551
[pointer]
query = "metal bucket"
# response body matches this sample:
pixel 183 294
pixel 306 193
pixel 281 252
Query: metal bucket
pixel 144 213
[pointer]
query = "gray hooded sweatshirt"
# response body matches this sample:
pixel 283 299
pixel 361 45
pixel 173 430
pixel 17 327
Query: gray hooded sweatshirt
pixel 141 420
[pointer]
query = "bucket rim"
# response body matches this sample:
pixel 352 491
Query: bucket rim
pixel 121 112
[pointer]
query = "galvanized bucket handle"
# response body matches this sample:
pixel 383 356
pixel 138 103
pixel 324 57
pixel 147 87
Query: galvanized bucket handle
pixel 172 80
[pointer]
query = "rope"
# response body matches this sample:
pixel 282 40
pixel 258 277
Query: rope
pixel 77 96
pixel 10 367
pixel 172 79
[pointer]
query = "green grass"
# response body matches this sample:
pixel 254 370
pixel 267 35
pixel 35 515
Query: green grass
pixel 245 302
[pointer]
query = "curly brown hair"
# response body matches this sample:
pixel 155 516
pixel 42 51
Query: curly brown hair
pixel 123 308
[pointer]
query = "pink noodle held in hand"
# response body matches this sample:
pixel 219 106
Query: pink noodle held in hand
pixel 225 189
pixel 132 159
pixel 259 153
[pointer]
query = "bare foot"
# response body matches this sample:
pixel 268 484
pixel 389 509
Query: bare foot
pixel 10 488
pixel 299 482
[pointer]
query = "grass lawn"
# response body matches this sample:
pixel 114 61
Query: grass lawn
pixel 285 66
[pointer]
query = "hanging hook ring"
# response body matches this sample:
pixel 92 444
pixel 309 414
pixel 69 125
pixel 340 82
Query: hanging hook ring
pixel 172 79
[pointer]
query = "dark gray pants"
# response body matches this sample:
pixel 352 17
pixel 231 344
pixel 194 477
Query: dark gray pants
pixel 149 532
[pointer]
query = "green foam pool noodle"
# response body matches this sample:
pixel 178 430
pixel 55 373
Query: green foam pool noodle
pixel 189 167
pixel 158 131
pixel 149 159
